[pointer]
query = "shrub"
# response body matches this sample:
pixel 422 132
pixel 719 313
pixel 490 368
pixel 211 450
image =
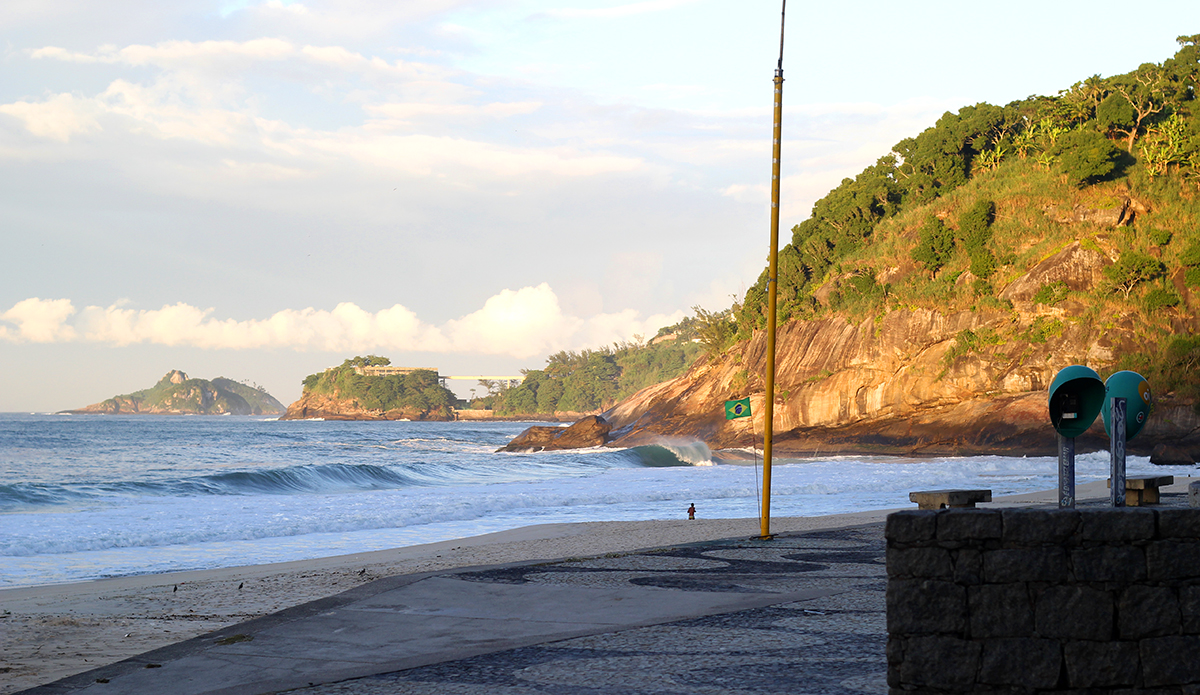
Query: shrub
pixel 1160 237
pixel 934 245
pixel 1160 298
pixel 1051 294
pixel 975 225
pixel 983 263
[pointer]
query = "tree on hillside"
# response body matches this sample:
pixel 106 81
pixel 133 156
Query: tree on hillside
pixel 934 246
pixel 1132 269
pixel 1135 98
pixel 368 361
pixel 1086 156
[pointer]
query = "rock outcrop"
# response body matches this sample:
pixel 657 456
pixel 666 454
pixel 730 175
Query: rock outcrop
pixel 327 407
pixel 902 386
pixel 591 431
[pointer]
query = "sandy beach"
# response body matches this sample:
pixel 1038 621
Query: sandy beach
pixel 50 632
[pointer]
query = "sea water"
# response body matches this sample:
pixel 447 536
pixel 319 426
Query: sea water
pixel 90 496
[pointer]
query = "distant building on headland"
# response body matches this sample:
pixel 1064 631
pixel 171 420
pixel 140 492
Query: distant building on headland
pixel 389 370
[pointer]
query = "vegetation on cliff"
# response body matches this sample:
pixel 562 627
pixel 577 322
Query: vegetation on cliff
pixel 594 379
pixel 177 393
pixel 417 394
pixel 952 218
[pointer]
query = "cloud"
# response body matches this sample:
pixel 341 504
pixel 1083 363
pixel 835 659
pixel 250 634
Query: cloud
pixel 520 323
pixel 57 118
pixel 39 321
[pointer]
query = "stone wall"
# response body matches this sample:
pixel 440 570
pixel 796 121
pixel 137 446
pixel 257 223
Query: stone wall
pixel 1024 601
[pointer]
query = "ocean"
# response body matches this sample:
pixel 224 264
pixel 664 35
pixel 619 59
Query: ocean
pixel 85 497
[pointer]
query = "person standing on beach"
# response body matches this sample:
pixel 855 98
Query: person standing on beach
pixel 692 512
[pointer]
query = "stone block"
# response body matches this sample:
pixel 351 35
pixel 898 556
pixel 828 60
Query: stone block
pixel 1025 663
pixel 1044 564
pixel 1148 611
pixel 1189 609
pixel 1000 610
pixel 1170 660
pixel 916 606
pixel 905 563
pixel 1179 523
pixel 968 566
pixel 911 526
pixel 1039 526
pixel 1074 612
pixel 1099 664
pixel 1120 524
pixel 942 662
pixel 1109 563
pixel 968 524
pixel 1173 559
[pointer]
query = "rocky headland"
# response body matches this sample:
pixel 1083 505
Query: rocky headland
pixel 178 394
pixel 324 406
pixel 909 382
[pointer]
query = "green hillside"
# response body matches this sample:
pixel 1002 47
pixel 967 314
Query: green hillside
pixel 177 393
pixel 951 217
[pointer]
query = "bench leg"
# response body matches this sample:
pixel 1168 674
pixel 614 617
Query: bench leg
pixel 1133 498
pixel 1150 496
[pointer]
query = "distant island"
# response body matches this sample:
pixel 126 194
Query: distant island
pixel 178 394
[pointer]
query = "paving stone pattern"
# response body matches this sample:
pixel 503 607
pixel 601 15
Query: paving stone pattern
pixel 832 645
pixel 1028 600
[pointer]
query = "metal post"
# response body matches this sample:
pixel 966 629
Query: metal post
pixel 1117 461
pixel 1066 472
pixel 772 290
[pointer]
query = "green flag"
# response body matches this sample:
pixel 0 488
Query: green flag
pixel 737 409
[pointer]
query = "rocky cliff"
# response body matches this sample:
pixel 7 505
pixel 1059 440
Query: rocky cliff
pixel 178 394
pixel 323 406
pixel 912 381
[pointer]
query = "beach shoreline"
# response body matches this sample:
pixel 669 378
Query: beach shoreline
pixel 57 630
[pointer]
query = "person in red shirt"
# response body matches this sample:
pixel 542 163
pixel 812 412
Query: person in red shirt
pixel 692 512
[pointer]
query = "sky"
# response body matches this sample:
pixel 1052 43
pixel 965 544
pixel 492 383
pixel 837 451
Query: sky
pixel 259 190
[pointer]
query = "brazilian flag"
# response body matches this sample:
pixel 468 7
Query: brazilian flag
pixel 737 409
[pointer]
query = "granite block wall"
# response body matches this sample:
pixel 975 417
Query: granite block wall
pixel 1030 601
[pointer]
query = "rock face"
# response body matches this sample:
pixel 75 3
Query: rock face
pixel 1079 268
pixel 910 384
pixel 589 432
pixel 326 407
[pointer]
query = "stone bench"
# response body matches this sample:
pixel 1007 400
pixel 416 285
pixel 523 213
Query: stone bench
pixel 939 499
pixel 1141 490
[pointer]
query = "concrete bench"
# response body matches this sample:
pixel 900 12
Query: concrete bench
pixel 1141 490
pixel 938 499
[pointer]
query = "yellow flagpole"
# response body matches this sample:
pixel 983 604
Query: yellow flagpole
pixel 772 289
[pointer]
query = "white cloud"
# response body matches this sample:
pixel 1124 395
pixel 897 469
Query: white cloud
pixel 39 321
pixel 57 118
pixel 520 323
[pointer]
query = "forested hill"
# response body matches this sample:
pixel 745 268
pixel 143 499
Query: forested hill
pixel 968 265
pixel 590 380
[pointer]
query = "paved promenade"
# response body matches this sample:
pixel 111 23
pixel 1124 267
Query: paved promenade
pixel 797 614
